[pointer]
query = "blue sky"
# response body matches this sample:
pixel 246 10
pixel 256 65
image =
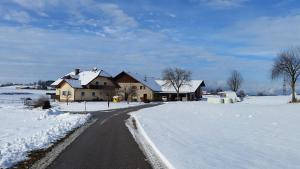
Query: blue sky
pixel 44 39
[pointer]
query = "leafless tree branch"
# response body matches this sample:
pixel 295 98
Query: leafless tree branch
pixel 235 81
pixel 287 64
pixel 176 78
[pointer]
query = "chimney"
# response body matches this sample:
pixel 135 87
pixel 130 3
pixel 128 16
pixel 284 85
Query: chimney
pixel 95 69
pixel 77 71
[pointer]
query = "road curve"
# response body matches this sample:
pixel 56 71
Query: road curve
pixel 107 144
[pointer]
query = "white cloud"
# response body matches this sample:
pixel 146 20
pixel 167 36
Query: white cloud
pixel 84 14
pixel 36 5
pixel 118 16
pixel 48 49
pixel 171 15
pixel 121 44
pixel 45 55
pixel 263 36
pixel 17 16
pixel 222 4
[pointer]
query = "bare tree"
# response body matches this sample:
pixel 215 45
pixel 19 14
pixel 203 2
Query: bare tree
pixel 235 81
pixel 176 78
pixel 131 92
pixel 128 92
pixel 68 94
pixel 287 64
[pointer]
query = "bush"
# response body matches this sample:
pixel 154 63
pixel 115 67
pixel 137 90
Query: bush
pixel 46 105
pixel 42 101
pixel 241 94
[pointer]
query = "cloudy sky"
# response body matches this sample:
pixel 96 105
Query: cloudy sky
pixel 44 39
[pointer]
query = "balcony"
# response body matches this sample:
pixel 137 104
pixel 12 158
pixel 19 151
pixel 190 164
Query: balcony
pixel 101 87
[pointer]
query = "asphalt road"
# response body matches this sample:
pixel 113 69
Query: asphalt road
pixel 107 144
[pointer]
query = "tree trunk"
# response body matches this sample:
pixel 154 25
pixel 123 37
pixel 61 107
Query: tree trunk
pixel 293 92
pixel 177 97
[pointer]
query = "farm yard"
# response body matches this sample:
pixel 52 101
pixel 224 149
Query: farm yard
pixel 260 132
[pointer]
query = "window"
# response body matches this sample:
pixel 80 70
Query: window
pixel 97 83
pixel 66 93
pixel 93 94
pixel 104 83
pixel 133 87
pixel 141 87
pixel 82 93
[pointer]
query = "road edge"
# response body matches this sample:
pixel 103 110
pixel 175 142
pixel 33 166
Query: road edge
pixel 54 153
pixel 155 157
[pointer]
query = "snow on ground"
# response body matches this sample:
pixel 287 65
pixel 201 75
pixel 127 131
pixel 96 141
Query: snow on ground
pixel 10 93
pixel 260 133
pixel 92 106
pixel 267 100
pixel 23 130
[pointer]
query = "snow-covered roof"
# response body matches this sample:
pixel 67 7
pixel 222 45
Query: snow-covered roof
pixel 57 82
pixel 82 78
pixel 87 76
pixel 158 85
pixel 73 83
pixel 147 81
pixel 192 87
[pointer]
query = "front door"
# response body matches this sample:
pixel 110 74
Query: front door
pixel 145 97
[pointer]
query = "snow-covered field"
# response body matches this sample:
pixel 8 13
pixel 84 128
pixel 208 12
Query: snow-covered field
pixel 10 94
pixel 23 130
pixel 259 133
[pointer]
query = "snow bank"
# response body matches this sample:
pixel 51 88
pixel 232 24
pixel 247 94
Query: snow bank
pixel 215 99
pixel 23 130
pixel 260 133
pixel 223 97
pixel 155 157
pixel 92 106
